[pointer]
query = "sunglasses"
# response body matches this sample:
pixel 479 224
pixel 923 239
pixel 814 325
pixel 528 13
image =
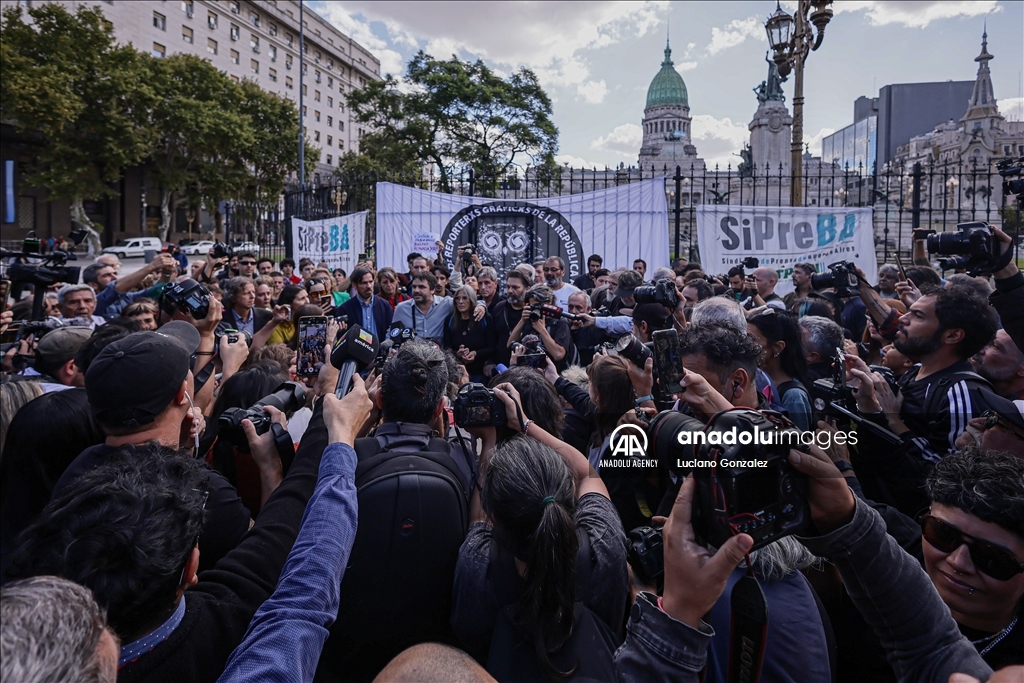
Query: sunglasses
pixel 247 263
pixel 988 558
pixel 992 419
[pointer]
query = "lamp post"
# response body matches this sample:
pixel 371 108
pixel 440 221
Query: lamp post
pixel 339 199
pixel 793 39
pixel 190 216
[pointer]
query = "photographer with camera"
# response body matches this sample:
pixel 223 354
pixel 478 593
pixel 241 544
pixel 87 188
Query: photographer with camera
pixel 466 252
pixel 555 336
pixel 543 526
pixel 764 281
pixel 1008 297
pixel 586 338
pixel 426 313
pixel 113 293
pixel 819 339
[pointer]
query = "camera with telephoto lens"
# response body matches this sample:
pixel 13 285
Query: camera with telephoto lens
pixel 1012 171
pixel 661 292
pixel 537 311
pixel 744 482
pixel 48 270
pixel 841 275
pixel 633 350
pixel 973 248
pixel 188 297
pixel 221 250
pixel 468 249
pixel 478 406
pixel 288 397
pixel 750 262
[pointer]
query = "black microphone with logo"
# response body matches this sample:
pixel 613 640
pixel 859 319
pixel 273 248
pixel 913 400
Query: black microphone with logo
pixel 355 352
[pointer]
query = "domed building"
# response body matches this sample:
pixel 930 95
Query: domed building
pixel 666 122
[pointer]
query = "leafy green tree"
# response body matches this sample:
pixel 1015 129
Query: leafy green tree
pixel 455 115
pixel 66 80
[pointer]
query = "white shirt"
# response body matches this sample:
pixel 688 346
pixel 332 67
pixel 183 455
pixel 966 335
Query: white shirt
pixel 563 293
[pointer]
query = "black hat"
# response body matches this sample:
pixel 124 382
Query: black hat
pixel 134 379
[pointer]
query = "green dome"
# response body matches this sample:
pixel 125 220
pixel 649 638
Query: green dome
pixel 667 89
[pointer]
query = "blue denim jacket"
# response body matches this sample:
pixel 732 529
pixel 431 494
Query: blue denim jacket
pixel 288 631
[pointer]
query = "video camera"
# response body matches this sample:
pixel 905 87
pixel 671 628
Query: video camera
pixel 745 483
pixel 661 292
pixel 537 311
pixel 478 406
pixel 974 248
pixel 842 276
pixel 1012 171
pixel 288 397
pixel 50 270
pixel 188 297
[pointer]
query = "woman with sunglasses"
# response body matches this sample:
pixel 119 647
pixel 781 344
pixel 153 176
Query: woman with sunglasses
pixel 973 546
pixel 782 358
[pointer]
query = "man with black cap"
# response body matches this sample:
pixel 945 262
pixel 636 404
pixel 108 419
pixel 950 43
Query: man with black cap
pixel 623 302
pixel 140 389
pixel 55 358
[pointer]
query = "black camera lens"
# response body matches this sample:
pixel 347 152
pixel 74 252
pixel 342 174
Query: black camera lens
pixel 822 281
pixel 946 243
pixel 633 349
pixel 664 431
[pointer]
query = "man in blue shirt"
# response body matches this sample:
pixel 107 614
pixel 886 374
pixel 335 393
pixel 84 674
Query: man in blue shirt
pixel 114 293
pixel 370 312
pixel 425 313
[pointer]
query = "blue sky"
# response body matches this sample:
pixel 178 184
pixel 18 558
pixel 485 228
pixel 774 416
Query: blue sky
pixel 596 59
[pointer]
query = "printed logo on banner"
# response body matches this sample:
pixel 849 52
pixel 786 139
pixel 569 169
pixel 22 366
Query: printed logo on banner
pixel 509 233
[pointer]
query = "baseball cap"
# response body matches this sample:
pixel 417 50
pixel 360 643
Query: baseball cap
pixel 628 281
pixel 59 346
pixel 134 379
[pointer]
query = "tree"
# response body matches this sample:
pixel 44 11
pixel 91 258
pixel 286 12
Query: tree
pixel 456 115
pixel 66 80
pixel 201 134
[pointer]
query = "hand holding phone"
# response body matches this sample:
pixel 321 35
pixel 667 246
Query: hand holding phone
pixel 312 345
pixel 668 360
pixel 899 265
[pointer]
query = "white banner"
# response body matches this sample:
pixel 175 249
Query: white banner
pixel 337 241
pixel 620 223
pixel 781 236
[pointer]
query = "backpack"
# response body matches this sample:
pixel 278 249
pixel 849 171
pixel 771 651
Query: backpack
pixel 413 516
pixel 591 647
pixel 937 395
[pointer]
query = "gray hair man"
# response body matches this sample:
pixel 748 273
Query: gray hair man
pixel 820 338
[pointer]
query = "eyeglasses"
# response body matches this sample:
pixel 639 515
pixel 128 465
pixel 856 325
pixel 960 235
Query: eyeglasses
pixel 247 263
pixel 988 558
pixel 992 419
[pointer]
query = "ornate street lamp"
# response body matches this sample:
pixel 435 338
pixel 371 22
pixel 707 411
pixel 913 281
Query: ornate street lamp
pixel 190 216
pixel 339 199
pixel 793 38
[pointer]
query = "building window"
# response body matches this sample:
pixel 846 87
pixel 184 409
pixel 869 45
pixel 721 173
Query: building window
pixel 304 111
pixel 316 115
pixel 1006 149
pixel 234 56
pixel 288 39
pixel 330 141
pixel 254 19
pixel 341 125
pixel 272 74
pixel 317 56
pixel 316 95
pixel 234 32
pixel 211 46
pixel 272 51
pixel 187 8
pixel 272 29
pixel 235 79
pixel 159 21
pixel 233 6
pixel 288 82
pixel 316 136
pixel 159 50
pixel 330 63
pixel 288 62
pixel 305 90
pixel 330 101
pixel 341 144
pixel 211 20
pixel 329 160
pixel 254 42
pixel 254 66
pixel 330 121
pixel 186 34
pixel 330 82
pixel 317 77
pixel 316 178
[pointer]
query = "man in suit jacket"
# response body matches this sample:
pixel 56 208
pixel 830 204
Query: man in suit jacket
pixel 371 312
pixel 240 312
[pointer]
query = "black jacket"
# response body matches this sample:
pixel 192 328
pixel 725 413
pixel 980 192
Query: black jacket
pixel 382 313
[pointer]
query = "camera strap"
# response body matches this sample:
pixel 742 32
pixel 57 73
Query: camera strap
pixel 748 630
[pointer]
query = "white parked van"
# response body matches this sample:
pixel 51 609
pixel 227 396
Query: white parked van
pixel 134 246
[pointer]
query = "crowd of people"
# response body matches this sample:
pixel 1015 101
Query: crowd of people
pixel 410 532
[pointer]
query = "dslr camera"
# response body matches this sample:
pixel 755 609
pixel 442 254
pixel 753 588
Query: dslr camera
pixel 477 406
pixel 661 292
pixel 288 397
pixel 745 483
pixel 841 275
pixel 468 249
pixel 973 248
pixel 633 350
pixel 828 393
pixel 188 297
pixel 1012 171
pixel 221 250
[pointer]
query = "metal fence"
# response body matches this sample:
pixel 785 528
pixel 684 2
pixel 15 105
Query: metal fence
pixel 933 196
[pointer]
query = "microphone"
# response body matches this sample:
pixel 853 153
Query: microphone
pixel 354 353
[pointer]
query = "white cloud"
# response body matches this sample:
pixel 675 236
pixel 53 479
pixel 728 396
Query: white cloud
pixel 390 61
pixel 815 142
pixel 912 13
pixel 734 33
pixel 624 140
pixel 686 66
pixel 577 162
pixel 593 91
pixel 717 140
pixel 1012 108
